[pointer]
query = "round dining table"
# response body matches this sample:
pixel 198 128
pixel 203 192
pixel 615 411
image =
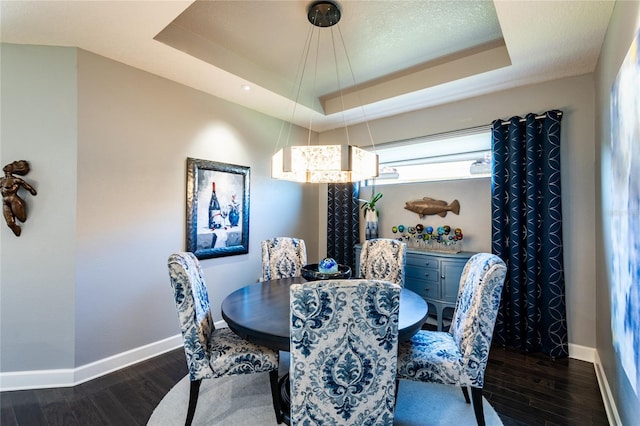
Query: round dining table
pixel 259 312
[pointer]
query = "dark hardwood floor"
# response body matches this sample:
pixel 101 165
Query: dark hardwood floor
pixel 523 389
pixel 533 389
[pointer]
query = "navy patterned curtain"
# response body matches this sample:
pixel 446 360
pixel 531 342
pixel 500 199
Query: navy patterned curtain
pixel 343 223
pixel 527 233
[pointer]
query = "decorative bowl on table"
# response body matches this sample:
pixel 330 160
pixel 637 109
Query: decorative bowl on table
pixel 327 269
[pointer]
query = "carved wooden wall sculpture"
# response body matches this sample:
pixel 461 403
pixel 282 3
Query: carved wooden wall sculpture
pixel 13 207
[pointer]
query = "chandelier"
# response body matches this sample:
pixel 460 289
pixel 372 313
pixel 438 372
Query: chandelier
pixel 339 163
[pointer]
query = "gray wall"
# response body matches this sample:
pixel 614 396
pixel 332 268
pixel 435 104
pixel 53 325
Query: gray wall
pixel 625 22
pixel 37 269
pixel 575 97
pixel 108 148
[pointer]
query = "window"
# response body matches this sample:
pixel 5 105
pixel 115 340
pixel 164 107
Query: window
pixel 464 154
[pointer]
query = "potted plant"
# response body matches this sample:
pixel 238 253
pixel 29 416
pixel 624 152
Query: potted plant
pixel 371 215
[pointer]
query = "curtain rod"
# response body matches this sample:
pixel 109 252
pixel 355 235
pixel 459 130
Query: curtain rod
pixel 537 117
pixel 451 133
pixel 434 136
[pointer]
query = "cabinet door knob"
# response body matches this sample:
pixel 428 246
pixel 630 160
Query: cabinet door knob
pixel 426 289
pixel 426 274
pixel 442 276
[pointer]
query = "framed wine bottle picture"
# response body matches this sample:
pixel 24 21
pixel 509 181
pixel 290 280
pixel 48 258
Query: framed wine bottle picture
pixel 217 209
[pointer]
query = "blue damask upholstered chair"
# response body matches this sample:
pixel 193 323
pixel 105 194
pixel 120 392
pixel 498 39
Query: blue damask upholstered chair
pixel 212 352
pixel 383 259
pixel 459 356
pixel 283 257
pixel 344 342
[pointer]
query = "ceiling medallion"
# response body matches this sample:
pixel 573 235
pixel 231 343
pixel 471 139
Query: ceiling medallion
pixel 324 14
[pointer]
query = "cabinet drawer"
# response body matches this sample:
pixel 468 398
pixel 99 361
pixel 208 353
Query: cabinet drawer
pixel 421 261
pixel 426 289
pixel 422 274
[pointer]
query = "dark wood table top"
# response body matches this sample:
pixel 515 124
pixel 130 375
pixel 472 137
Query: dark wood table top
pixel 260 312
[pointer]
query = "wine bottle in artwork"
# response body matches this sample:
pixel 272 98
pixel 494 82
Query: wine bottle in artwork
pixel 215 216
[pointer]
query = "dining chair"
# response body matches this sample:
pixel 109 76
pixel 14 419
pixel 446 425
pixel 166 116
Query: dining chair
pixel 343 350
pixel 283 257
pixel 459 356
pixel 383 259
pixel 211 352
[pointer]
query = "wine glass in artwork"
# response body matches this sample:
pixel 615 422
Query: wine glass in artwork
pixel 224 212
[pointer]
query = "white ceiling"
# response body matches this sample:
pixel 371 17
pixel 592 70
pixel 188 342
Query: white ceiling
pixel 404 54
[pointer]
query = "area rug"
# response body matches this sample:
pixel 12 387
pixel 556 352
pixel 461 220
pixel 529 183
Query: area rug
pixel 246 401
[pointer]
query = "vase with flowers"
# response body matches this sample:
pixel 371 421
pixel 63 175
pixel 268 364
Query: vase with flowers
pixel 234 211
pixel 371 216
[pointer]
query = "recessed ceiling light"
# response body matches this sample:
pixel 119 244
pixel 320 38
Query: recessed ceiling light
pixel 245 87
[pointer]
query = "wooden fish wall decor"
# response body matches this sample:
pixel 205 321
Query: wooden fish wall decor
pixel 428 206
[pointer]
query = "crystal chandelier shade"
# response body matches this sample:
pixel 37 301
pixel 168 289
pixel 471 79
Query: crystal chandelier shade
pixel 324 164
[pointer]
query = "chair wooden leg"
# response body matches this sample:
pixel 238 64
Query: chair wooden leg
pixel 476 396
pixel 193 400
pixel 465 392
pixel 275 395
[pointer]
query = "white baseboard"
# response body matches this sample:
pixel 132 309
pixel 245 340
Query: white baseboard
pixel 67 377
pixel 36 379
pixel 583 353
pixel 113 363
pixel 609 403
pixel 39 379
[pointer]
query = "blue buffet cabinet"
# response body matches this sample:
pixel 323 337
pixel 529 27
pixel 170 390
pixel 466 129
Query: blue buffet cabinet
pixel 433 275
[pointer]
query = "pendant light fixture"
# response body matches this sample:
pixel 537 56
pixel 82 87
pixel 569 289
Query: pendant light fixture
pixel 339 163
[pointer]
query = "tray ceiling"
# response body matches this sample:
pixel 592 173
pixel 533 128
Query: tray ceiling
pixel 404 55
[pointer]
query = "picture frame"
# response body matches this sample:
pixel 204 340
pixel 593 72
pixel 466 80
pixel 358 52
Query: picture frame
pixel 217 222
pixel 623 213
